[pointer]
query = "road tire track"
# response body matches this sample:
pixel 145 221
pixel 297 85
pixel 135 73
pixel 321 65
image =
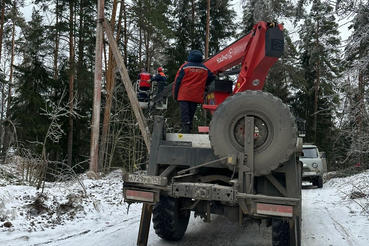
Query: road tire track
pixel 342 230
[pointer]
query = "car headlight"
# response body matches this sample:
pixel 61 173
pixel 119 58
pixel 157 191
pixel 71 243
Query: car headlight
pixel 315 165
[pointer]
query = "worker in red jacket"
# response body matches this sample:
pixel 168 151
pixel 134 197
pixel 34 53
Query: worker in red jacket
pixel 189 87
pixel 145 82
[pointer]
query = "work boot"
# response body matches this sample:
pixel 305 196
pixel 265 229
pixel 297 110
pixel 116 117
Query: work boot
pixel 186 127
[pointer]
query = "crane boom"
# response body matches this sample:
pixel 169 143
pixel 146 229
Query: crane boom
pixel 257 52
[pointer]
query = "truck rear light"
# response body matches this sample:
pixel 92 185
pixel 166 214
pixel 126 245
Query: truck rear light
pixel 272 209
pixel 144 196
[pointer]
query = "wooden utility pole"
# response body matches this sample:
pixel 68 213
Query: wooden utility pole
pixel 101 22
pixel 110 79
pixel 97 87
pixel 146 208
pixel 128 86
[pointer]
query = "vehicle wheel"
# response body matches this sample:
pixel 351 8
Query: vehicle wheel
pixel 280 232
pixel 320 182
pixel 275 129
pixel 170 222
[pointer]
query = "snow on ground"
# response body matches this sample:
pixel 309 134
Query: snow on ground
pixel 92 212
pixel 336 215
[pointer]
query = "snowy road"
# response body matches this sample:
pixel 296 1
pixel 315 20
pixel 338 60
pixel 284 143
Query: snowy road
pixel 219 232
pixel 327 220
pixel 330 218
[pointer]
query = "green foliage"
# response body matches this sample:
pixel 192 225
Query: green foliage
pixel 285 75
pixel 28 103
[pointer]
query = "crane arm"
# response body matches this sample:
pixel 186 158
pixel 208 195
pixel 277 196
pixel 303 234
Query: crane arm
pixel 257 52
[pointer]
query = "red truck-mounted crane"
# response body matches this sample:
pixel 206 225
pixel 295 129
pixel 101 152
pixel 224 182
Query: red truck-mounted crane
pixel 246 168
pixel 256 52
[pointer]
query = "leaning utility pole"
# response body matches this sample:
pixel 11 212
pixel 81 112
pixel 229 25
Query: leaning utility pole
pixel 101 25
pixel 141 121
pixel 97 88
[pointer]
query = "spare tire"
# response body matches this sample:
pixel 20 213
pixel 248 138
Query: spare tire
pixel 275 129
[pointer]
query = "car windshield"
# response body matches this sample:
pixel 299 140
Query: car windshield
pixel 310 153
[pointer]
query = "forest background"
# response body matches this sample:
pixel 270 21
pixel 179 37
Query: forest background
pixel 47 74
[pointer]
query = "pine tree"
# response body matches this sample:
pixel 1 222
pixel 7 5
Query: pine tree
pixel 80 68
pixel 222 27
pixel 283 75
pixel 152 27
pixel 355 126
pixel 185 37
pixel 14 21
pixel 321 64
pixel 32 87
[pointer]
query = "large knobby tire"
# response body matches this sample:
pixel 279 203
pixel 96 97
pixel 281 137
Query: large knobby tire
pixel 280 232
pixel 170 221
pixel 275 129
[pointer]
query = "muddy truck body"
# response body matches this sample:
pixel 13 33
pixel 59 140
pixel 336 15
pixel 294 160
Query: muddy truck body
pixel 244 166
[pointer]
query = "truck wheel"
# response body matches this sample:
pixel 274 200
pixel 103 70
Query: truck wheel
pixel 170 221
pixel 280 232
pixel 320 182
pixel 275 130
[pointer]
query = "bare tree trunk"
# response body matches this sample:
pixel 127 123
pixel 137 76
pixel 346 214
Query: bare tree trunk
pixel 2 86
pixel 71 82
pixel 7 133
pixel 316 86
pixel 125 36
pixel 11 69
pixel 204 112
pixel 2 26
pixel 97 88
pixel 109 90
pixel 140 46
pixel 207 30
pixel 193 24
pixel 56 51
pixel 361 115
pixel 81 56
pixel 147 47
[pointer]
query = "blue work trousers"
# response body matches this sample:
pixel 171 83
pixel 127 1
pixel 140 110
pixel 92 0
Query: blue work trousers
pixel 187 110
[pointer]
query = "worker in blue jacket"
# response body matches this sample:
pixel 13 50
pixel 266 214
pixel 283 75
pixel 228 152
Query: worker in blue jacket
pixel 161 78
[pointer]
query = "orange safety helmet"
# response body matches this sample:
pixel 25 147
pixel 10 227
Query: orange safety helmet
pixel 160 69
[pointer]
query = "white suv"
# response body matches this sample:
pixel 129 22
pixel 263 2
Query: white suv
pixel 312 165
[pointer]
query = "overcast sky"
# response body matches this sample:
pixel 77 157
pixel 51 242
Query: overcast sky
pixel 237 5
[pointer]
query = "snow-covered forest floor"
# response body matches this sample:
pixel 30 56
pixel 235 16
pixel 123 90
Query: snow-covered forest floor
pixel 88 211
